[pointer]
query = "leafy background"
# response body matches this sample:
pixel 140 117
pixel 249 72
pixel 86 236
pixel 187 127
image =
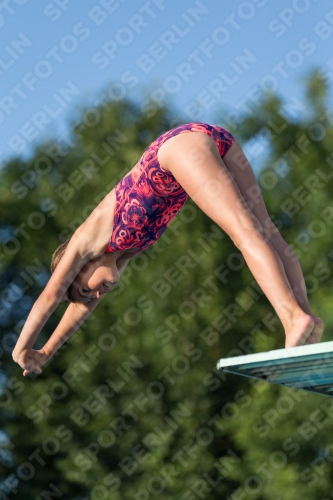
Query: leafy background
pixel 132 405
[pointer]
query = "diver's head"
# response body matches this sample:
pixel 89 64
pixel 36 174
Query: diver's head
pixel 97 277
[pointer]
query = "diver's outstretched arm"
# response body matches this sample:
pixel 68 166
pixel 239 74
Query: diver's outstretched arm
pixel 77 254
pixel 75 314
pixel 73 317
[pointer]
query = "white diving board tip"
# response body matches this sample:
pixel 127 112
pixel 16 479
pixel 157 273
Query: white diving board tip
pixel 307 367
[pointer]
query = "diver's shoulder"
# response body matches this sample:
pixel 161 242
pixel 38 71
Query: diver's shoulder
pixel 95 232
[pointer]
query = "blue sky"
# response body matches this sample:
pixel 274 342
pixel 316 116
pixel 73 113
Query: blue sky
pixel 209 60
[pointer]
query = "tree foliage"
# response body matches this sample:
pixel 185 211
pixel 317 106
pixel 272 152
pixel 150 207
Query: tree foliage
pixel 132 405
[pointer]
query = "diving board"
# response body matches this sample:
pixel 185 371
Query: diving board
pixel 306 367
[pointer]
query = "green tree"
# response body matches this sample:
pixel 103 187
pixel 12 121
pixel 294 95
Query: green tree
pixel 283 434
pixel 132 405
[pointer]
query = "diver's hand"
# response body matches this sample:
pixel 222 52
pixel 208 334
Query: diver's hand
pixel 30 360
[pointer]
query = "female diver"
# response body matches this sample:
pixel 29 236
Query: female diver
pixel 208 165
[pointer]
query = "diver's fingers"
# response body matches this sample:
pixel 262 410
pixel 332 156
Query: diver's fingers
pixel 36 370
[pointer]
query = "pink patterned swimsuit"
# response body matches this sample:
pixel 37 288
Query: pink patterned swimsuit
pixel 149 198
